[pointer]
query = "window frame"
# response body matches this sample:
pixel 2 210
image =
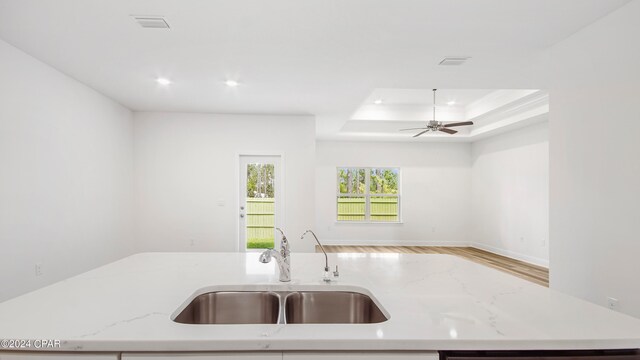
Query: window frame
pixel 367 195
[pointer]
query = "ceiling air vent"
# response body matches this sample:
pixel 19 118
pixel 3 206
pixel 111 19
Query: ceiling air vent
pixel 454 60
pixel 151 22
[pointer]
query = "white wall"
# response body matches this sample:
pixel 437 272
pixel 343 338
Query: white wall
pixel 510 194
pixel 66 175
pixel 595 166
pixel 187 163
pixel 435 192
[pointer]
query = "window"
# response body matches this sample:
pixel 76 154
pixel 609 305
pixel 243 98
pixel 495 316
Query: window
pixel 368 194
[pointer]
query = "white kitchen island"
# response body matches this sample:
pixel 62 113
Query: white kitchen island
pixel 434 303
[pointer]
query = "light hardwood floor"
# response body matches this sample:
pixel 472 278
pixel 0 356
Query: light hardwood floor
pixel 533 273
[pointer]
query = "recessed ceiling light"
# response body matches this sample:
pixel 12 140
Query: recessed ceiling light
pixel 231 83
pixel 163 81
pixel 378 101
pixel 451 103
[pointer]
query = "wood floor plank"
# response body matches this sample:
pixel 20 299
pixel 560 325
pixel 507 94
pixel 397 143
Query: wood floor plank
pixel 521 269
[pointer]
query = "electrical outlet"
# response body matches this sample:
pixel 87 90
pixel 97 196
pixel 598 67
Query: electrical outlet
pixel 38 269
pixel 612 303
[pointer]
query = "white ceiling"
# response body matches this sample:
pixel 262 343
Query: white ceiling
pixel 416 104
pixel 491 111
pixel 321 57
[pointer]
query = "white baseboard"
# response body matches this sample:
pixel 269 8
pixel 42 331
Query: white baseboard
pixel 512 254
pixel 394 243
pixel 508 253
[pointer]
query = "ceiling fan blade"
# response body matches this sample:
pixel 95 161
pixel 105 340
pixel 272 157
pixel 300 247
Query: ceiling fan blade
pixel 420 128
pixel 420 133
pixel 464 123
pixel 448 131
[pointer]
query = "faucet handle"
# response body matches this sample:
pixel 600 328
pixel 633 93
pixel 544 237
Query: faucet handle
pixel 284 243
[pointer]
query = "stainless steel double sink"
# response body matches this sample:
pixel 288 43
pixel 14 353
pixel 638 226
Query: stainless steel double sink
pixel 281 307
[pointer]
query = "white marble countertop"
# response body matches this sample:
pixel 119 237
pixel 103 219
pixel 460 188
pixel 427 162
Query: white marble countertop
pixel 435 302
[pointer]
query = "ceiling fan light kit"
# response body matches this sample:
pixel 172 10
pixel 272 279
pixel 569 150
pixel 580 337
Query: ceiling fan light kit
pixel 434 125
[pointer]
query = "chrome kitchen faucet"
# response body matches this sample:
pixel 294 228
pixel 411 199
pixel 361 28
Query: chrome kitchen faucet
pixel 283 258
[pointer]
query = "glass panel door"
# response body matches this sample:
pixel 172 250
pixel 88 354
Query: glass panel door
pixel 260 195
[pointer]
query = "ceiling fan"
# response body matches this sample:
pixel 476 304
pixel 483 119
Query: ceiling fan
pixel 434 125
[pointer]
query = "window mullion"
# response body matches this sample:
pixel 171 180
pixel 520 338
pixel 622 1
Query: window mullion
pixel 367 199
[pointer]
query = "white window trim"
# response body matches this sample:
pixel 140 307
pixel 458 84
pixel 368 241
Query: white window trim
pixel 367 195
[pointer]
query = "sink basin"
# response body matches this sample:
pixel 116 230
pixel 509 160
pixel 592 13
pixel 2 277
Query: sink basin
pixel 331 307
pixel 232 307
pixel 258 304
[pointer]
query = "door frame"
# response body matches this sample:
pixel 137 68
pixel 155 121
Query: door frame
pixel 280 219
